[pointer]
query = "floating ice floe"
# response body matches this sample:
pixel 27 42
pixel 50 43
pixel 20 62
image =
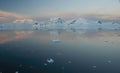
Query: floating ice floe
pixel 50 60
pixel 69 62
pixel 56 41
pixel 109 61
pixel 16 72
pixel 94 67
pixel 45 64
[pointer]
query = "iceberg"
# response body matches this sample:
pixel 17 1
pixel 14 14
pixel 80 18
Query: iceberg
pixel 58 23
pixel 56 41
pixel 16 72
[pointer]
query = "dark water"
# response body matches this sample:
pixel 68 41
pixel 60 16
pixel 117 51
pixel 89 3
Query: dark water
pixel 90 52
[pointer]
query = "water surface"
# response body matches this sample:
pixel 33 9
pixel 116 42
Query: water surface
pixel 90 52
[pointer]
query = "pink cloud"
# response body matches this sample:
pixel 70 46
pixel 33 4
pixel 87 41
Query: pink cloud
pixel 24 21
pixel 10 17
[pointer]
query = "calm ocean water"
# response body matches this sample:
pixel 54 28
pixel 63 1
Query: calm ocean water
pixel 59 52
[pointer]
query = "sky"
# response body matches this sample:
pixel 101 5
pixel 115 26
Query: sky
pixel 42 9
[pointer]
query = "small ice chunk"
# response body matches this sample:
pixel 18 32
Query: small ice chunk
pixel 50 60
pixel 45 64
pixel 109 61
pixel 56 41
pixel 94 67
pixel 16 72
pixel 69 62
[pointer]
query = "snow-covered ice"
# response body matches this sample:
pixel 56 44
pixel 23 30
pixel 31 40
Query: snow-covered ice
pixel 69 62
pixel 16 72
pixel 56 41
pixel 109 61
pixel 45 64
pixel 50 60
pixel 94 67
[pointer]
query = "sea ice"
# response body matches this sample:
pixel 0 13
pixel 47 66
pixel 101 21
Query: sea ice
pixel 50 60
pixel 94 67
pixel 45 64
pixel 69 62
pixel 56 41
pixel 109 61
pixel 16 72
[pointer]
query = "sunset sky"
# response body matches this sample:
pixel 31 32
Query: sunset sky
pixel 42 9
